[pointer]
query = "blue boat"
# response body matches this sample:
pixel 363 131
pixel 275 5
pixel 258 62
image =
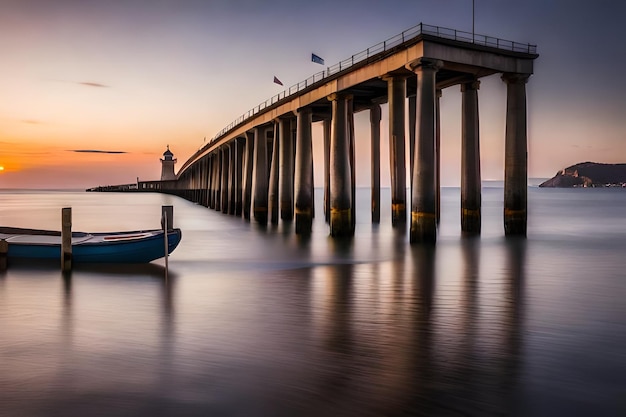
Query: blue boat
pixel 139 246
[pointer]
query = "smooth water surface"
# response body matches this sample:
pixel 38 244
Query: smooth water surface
pixel 256 321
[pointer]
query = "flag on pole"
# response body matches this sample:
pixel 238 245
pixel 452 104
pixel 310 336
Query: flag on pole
pixel 317 59
pixel 277 81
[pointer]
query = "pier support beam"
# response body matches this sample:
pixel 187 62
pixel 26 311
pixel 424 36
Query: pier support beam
pixel 412 113
pixel 273 204
pixel 231 177
pixel 516 157
pixel 247 176
pixel 396 92
pixel 225 178
pixel 423 203
pixel 239 152
pixel 375 116
pixel 285 171
pixel 327 123
pixel 470 160
pixel 218 180
pixel 207 179
pixel 304 167
pixel 352 139
pixel 341 224
pixel 260 177
pixel 438 153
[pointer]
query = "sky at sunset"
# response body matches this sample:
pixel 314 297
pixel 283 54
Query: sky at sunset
pixel 128 77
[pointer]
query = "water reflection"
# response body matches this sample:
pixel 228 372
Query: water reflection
pixel 421 395
pixel 393 313
pixel 514 318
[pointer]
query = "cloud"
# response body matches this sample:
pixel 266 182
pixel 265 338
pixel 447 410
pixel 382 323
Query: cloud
pixel 94 151
pixel 32 122
pixel 92 84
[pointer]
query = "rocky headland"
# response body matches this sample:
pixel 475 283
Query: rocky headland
pixel 589 174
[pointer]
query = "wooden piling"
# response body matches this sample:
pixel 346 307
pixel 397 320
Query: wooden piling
pixel 4 251
pixel 167 217
pixel 66 239
pixel 167 223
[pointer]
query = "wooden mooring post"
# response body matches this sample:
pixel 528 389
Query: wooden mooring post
pixel 167 223
pixel 66 239
pixel 4 251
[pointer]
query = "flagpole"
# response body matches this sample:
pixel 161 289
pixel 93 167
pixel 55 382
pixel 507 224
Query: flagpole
pixel 472 21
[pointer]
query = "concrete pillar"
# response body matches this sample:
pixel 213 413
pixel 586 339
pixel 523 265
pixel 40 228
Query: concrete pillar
pixel 274 174
pixel 260 175
pixel 423 203
pixel 396 92
pixel 375 116
pixel 438 153
pixel 239 150
pixel 516 155
pixel 225 178
pixel 470 160
pixel 352 159
pixel 340 171
pixel 207 178
pixel 327 129
pixel 218 180
pixel 285 171
pixel 304 166
pixel 231 177
pixel 210 182
pixel 412 111
pixel 247 177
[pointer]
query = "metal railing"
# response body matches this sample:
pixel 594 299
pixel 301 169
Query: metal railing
pixel 393 42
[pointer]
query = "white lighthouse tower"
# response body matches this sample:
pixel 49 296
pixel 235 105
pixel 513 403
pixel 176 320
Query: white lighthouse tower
pixel 167 165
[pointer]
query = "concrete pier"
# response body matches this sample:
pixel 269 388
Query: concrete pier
pixel 396 93
pixel 340 170
pixel 515 158
pixel 423 204
pixel 303 171
pixel 375 115
pixel 242 171
pixel 470 160
pixel 286 169
pixel 273 205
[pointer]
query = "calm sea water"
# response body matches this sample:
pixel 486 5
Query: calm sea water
pixel 257 322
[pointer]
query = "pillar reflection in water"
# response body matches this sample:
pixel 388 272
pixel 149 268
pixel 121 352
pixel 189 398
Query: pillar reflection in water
pixel 513 318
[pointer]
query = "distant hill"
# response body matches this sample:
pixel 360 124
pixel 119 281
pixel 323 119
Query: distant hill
pixel 589 174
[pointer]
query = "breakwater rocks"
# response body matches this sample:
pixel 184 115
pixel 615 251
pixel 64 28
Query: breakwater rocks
pixel 589 174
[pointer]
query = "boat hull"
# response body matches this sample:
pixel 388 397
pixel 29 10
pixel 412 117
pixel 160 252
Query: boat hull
pixel 123 247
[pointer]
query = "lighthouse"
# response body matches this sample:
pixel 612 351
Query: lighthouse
pixel 167 165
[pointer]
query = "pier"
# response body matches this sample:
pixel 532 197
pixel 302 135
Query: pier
pixel 261 165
